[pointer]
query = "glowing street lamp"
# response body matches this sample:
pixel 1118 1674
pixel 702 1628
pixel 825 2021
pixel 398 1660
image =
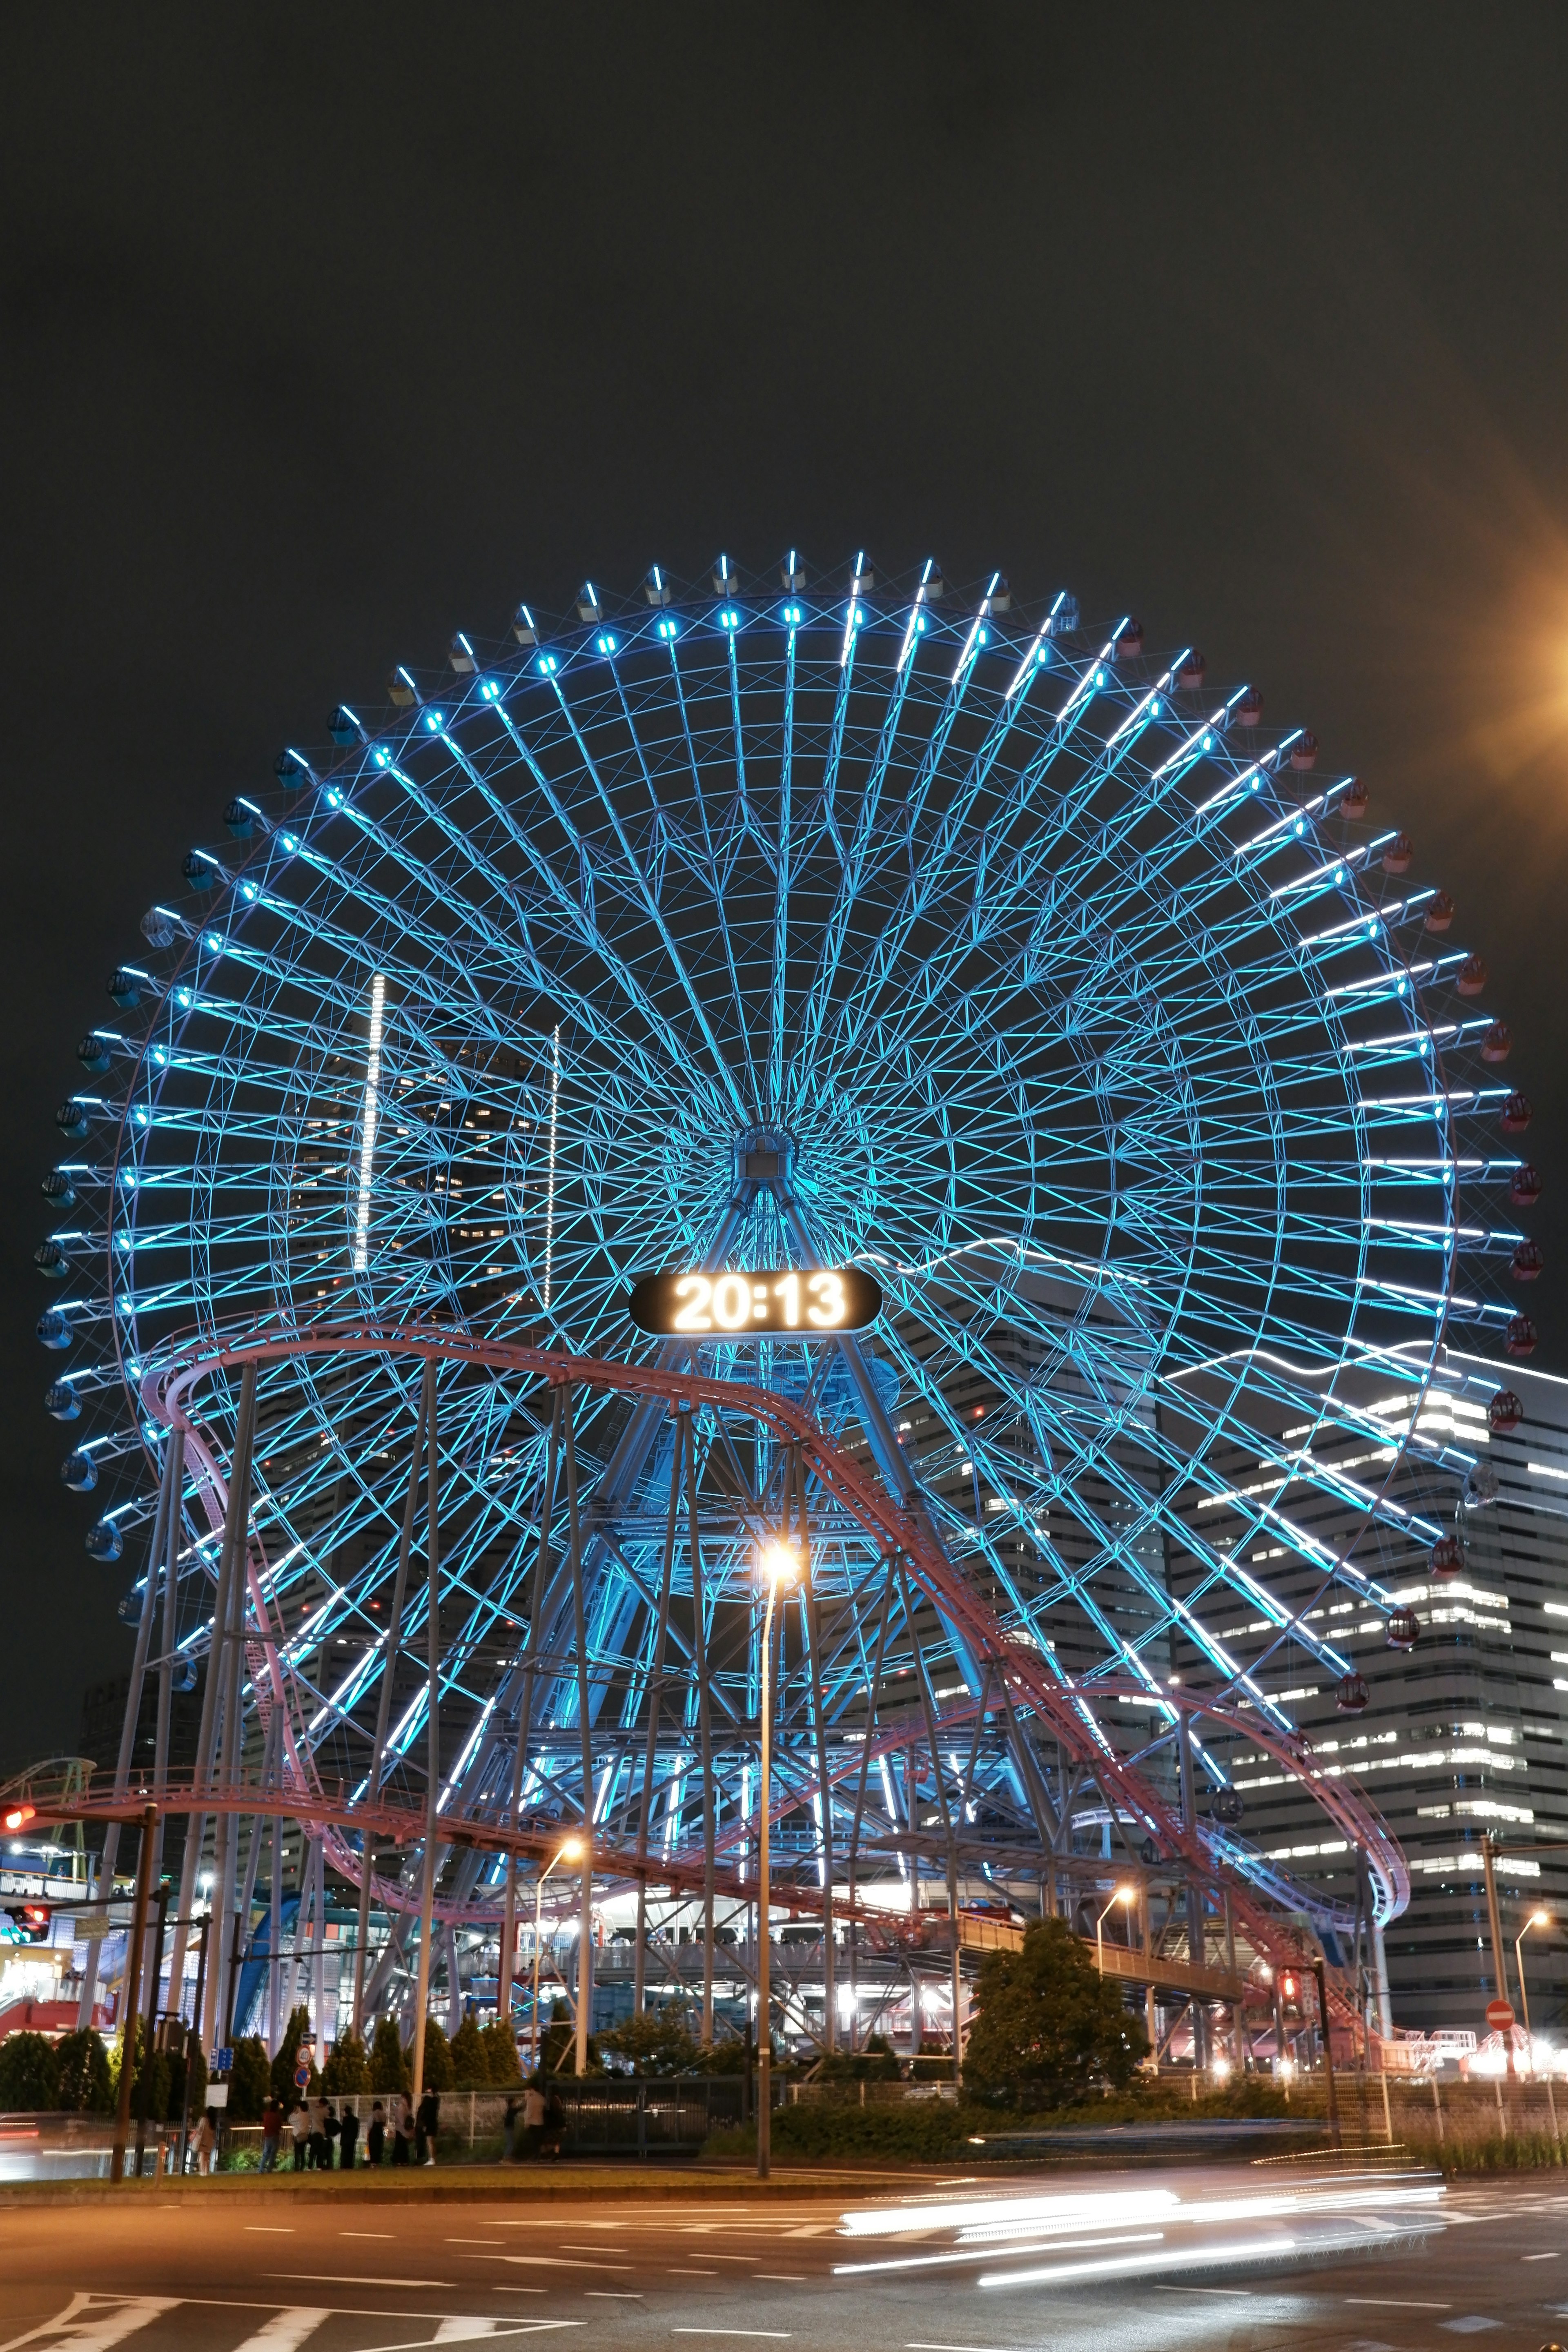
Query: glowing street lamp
pixel 568 1852
pixel 780 1565
pixel 1536 1919
pixel 1118 1894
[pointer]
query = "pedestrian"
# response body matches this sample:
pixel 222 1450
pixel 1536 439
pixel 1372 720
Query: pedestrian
pixel 555 2122
pixel 402 2129
pixel 375 2137
pixel 272 2133
pixel 205 2141
pixel 320 2153
pixel 299 2132
pixel 508 2148
pixel 332 2128
pixel 349 2139
pixel 534 2115
pixel 429 2124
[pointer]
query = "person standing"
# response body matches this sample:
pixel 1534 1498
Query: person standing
pixel 402 2129
pixel 272 2133
pixel 204 2143
pixel 300 2131
pixel 320 2153
pixel 349 2140
pixel 429 2124
pixel 508 2148
pixel 533 2112
pixel 375 2137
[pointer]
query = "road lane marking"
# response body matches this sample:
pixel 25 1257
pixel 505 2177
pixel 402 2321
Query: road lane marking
pixel 284 2330
pixel 387 2234
pixel 1394 2303
pixel 269 2229
pixel 568 2248
pixel 950 2347
pixel 491 2243
pixel 692 2274
pixel 769 2334
pixel 557 2263
pixel 1548 2257
pixel 356 2278
pixel 778 2274
pixel 87 2328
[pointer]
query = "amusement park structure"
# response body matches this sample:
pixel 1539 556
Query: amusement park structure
pixel 789 930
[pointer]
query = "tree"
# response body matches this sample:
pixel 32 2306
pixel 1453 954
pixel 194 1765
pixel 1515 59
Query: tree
pixel 388 2067
pixel 470 2058
pixel 437 2057
pixel 1050 2028
pixel 81 2075
pixel 284 2086
pixel 558 2053
pixel 249 2080
pixel 193 2052
pixel 659 2042
pixel 501 2053
pixel 347 2068
pixel 29 2071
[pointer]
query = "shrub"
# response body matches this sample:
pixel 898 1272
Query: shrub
pixel 388 2067
pixel 81 2075
pixel 29 2071
pixel 347 2068
pixel 250 2080
pixel 658 2042
pixel 470 2059
pixel 501 2054
pixel 1051 2028
pixel 437 2056
pixel 284 2086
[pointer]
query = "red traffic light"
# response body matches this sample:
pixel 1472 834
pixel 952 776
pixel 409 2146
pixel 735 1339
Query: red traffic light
pixel 19 1816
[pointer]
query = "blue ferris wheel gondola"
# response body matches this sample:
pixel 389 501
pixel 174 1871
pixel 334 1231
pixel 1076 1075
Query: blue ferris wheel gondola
pixel 802 927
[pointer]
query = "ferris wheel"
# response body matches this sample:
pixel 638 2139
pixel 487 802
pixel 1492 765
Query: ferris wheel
pixel 780 925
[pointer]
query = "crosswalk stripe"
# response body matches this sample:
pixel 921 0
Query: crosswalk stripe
pixel 285 2329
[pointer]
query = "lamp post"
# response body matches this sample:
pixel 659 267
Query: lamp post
pixel 568 1850
pixel 1536 1919
pixel 780 1565
pixel 1118 1894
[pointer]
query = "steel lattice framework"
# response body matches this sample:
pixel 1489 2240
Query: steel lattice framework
pixel 781 926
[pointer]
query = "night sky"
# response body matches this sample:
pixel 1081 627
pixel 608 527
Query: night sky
pixel 327 331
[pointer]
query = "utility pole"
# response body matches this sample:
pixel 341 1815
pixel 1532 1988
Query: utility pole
pixel 128 1991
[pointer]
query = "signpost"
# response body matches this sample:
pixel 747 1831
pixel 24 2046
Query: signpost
pixel 1499 2016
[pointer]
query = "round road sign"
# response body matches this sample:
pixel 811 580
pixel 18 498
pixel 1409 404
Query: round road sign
pixel 1499 2015
pixel 302 2071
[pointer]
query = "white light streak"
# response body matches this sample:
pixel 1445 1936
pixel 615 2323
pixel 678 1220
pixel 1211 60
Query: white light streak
pixel 367 1131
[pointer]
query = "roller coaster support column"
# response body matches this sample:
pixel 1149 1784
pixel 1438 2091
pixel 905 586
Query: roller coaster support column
pixel 382 1714
pixel 224 1665
pixel 128 1992
pixel 704 1726
pixel 585 1927
pixel 524 1726
pixel 1194 1892
pixel 173 1457
pixel 433 1748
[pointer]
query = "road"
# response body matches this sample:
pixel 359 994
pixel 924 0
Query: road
pixel 268 2275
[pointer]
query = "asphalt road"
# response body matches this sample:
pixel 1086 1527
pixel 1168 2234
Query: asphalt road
pixel 262 2276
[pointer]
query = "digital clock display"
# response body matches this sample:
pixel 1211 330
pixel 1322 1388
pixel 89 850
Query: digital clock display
pixel 799 1304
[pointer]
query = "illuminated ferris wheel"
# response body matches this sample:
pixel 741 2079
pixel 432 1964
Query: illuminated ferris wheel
pixel 773 928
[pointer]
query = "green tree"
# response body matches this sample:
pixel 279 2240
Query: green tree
pixel 29 2071
pixel 250 2079
pixel 558 2053
pixel 347 2068
pixel 470 2058
pixel 500 2056
pixel 659 2042
pixel 388 2067
pixel 1051 2029
pixel 284 2086
pixel 191 2050
pixel 81 2078
pixel 438 2074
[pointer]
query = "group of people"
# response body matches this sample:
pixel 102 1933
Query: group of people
pixel 397 2132
pixel 532 2124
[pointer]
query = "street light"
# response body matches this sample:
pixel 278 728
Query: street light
pixel 1536 1919
pixel 780 1565
pixel 568 1852
pixel 1118 1894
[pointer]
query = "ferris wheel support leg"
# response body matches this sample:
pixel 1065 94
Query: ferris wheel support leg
pixel 174 1475
pixel 105 1875
pixel 585 1929
pixel 525 1710
pixel 433 1749
pixel 390 1646
pixel 854 1845
pixel 824 1777
pixel 654 1710
pixel 229 1644
pixel 704 1726
pixel 275 1940
pixel 1194 1891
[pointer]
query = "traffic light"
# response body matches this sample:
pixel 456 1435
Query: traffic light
pixel 26 1923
